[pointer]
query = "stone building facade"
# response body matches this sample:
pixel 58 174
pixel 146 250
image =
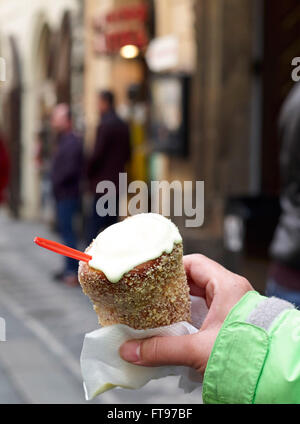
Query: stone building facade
pixel 36 41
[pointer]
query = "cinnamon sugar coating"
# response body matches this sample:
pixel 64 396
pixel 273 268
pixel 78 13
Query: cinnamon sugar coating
pixel 151 295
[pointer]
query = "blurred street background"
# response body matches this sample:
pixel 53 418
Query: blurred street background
pixel 200 84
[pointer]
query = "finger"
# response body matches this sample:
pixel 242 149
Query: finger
pixel 198 269
pixel 202 274
pixel 196 290
pixel 202 270
pixel 215 315
pixel 167 350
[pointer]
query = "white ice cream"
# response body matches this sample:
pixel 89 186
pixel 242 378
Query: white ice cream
pixel 137 239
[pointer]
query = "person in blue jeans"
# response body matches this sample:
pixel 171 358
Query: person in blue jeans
pixel 66 211
pixel 66 174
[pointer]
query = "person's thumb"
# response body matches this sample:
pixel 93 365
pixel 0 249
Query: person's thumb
pixel 166 350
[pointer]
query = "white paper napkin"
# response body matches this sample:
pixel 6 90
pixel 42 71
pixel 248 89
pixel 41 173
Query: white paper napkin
pixel 103 369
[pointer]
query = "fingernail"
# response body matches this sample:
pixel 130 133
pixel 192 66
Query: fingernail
pixel 130 351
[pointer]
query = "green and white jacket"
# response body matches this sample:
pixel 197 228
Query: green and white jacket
pixel 256 356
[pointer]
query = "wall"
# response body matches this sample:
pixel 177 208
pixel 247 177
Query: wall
pixel 222 104
pixel 25 21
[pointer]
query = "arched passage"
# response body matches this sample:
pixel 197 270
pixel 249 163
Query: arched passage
pixel 63 59
pixel 12 126
pixel 44 101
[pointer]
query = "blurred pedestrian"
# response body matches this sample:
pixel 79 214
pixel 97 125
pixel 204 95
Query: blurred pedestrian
pixel 284 273
pixel 111 152
pixel 4 169
pixel 66 173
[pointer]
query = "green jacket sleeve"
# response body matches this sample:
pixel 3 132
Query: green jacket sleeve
pixel 256 356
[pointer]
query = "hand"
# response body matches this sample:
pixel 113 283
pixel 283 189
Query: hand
pixel 221 289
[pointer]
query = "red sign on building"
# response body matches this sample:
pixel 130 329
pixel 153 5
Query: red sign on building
pixel 120 27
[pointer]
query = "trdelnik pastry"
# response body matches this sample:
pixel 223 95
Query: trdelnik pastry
pixel 136 275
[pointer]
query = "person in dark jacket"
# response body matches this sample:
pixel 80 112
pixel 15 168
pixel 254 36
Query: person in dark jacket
pixel 284 274
pixel 111 152
pixel 66 173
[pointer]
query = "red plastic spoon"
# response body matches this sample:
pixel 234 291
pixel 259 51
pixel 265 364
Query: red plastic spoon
pixel 62 250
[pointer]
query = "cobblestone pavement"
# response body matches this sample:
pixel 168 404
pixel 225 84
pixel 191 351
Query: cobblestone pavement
pixel 45 326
